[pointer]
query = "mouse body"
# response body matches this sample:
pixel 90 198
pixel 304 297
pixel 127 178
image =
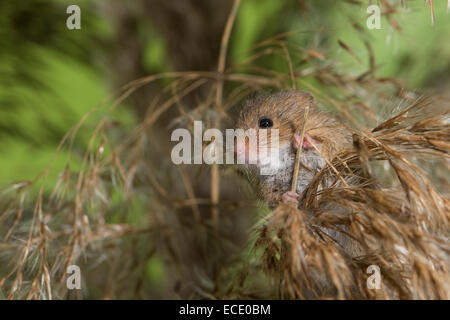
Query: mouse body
pixel 324 138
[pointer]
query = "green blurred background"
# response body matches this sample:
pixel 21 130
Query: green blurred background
pixel 51 76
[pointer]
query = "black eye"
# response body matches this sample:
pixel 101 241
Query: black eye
pixel 265 123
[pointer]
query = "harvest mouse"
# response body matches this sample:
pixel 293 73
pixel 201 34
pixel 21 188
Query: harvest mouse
pixel 324 137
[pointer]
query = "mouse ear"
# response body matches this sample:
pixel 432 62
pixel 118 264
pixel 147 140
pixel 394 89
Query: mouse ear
pixel 305 98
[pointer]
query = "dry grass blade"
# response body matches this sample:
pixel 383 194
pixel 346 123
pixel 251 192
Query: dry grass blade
pixel 299 153
pixel 404 234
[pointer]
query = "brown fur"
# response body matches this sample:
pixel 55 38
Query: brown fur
pixel 287 109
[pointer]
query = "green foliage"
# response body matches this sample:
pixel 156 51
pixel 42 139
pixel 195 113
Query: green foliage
pixel 156 272
pixel 47 83
pixel 252 27
pixel 416 54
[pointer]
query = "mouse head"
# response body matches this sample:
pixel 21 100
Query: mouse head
pixel 283 111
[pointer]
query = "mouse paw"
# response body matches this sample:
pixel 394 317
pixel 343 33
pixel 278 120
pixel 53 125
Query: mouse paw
pixel 290 197
pixel 307 141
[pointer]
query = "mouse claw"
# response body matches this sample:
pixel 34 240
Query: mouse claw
pixel 290 197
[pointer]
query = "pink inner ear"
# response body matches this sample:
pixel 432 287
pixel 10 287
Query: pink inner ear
pixel 306 144
pixel 308 141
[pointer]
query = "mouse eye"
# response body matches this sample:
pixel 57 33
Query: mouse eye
pixel 265 123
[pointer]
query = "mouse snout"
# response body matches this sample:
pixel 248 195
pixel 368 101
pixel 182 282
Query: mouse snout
pixel 245 154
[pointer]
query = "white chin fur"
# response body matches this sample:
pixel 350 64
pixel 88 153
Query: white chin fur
pixel 277 171
pixel 269 163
